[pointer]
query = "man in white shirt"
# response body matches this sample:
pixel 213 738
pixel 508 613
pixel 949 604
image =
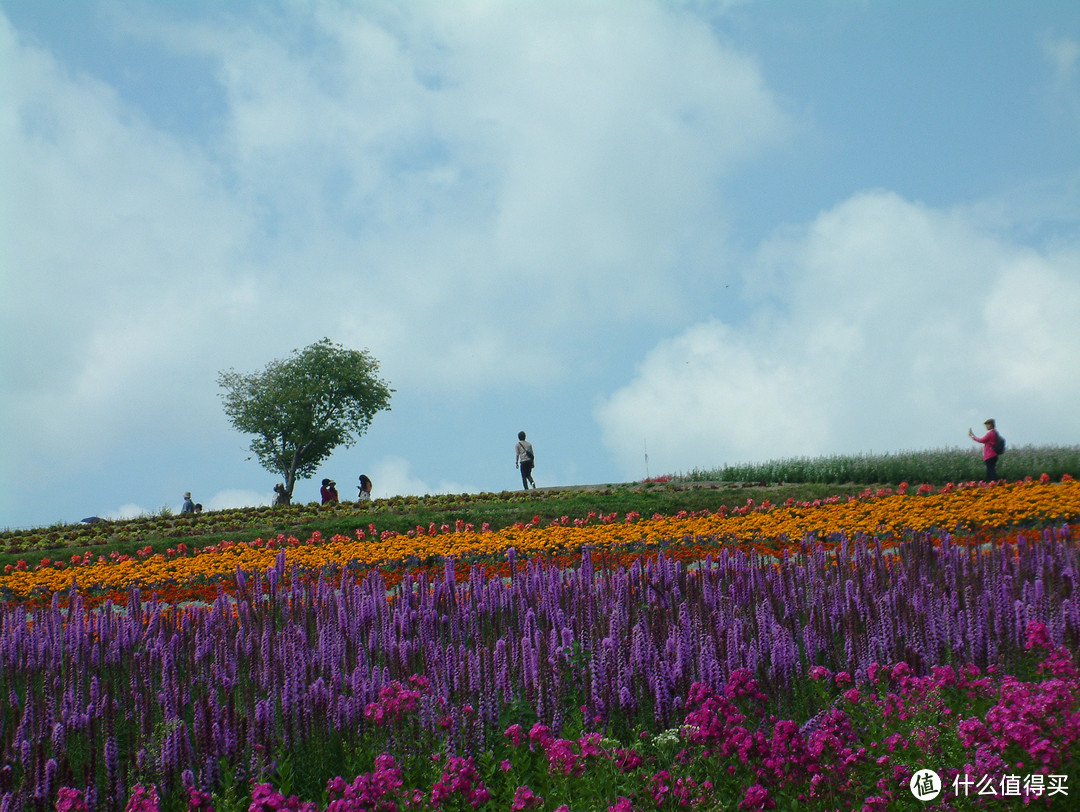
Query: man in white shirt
pixel 524 459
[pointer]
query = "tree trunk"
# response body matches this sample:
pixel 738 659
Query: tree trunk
pixel 290 475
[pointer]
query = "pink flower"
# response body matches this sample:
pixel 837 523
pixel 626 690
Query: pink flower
pixel 757 797
pixel 69 799
pixel 541 734
pixel 525 798
pixel 395 701
pixel 590 745
pixel 973 731
pixel 1038 636
pixel 514 733
pixel 660 788
pixel 460 778
pixel 561 757
pixel 143 799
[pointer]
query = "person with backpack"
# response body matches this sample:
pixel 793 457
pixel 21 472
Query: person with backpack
pixel 524 459
pixel 993 447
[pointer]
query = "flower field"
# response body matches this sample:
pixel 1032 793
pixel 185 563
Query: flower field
pixel 811 655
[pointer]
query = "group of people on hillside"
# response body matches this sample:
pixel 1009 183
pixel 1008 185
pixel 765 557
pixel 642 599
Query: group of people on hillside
pixel 328 491
pixel 190 506
pixel 525 460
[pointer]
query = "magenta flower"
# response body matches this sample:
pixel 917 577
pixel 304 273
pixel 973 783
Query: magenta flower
pixel 820 672
pixel 460 778
pixel 69 799
pixel 1038 636
pixel 264 798
pixel 541 734
pixel 143 799
pixel 757 797
pixel 524 798
pixel 515 733
pixel 395 701
pixel 562 758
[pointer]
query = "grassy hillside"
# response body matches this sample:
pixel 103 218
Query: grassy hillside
pixel 400 514
pixel 802 479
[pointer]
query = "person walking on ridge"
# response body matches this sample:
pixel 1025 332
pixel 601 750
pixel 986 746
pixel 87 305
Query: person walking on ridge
pixel 992 447
pixel 524 459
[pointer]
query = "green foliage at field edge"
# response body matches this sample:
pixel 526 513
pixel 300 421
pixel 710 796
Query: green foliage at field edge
pixel 935 467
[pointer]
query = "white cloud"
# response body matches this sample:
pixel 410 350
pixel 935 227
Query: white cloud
pixel 1063 54
pixel 479 195
pixel 392 476
pixel 128 511
pixel 883 325
pixel 498 176
pixel 236 498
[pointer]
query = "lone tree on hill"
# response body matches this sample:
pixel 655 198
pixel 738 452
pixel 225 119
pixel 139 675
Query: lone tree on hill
pixel 303 407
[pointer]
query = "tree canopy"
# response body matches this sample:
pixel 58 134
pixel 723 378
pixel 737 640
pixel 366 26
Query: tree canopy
pixel 303 407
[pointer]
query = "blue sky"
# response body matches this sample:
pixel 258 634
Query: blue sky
pixel 712 232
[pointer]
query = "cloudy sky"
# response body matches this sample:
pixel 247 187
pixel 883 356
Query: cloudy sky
pixel 705 232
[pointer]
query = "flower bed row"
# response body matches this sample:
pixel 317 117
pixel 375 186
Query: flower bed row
pixel 770 527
